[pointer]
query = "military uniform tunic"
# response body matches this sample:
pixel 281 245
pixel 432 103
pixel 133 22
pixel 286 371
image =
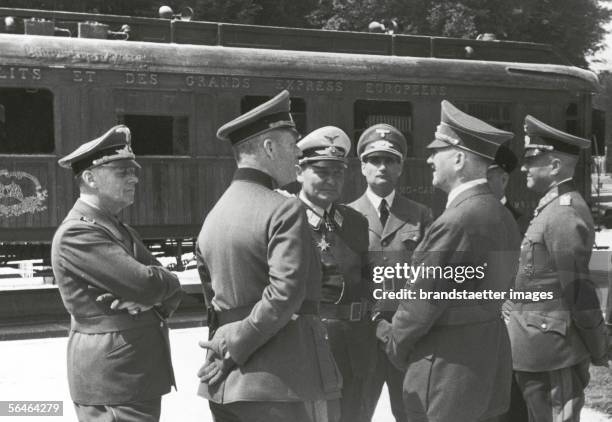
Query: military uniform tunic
pixel 113 357
pixel 557 333
pixel 389 246
pixel 457 352
pixel 340 236
pixel 254 246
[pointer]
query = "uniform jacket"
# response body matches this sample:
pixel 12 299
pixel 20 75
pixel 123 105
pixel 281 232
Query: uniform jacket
pixel 343 256
pixel 552 334
pixel 404 230
pixel 113 357
pixel 457 352
pixel 254 246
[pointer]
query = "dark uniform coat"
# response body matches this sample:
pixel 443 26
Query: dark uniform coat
pixel 403 231
pixel 113 357
pixel 457 352
pixel 343 254
pixel 254 247
pixel 552 334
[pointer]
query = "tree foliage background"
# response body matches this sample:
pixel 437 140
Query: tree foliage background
pixel 575 27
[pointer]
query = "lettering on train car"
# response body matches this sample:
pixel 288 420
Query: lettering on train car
pixel 206 81
pixel 306 85
pixel 421 90
pixel 20 193
pixel 83 76
pixel 425 190
pixel 50 54
pixel 134 78
pixel 20 73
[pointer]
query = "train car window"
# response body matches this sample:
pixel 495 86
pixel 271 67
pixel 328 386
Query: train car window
pixel 395 113
pixel 26 121
pixel 495 114
pixel 158 135
pixel 571 119
pixel 298 109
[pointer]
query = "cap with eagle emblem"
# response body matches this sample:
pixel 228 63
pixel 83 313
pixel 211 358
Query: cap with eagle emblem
pixel 273 114
pixel 328 143
pixel 114 145
pixel 541 138
pixel 382 139
pixel 461 130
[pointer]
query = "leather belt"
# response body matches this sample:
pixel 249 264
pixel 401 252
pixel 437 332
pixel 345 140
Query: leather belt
pixel 100 324
pixel 354 311
pixel 309 307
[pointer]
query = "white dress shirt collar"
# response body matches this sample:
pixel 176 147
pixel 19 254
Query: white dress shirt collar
pixel 462 188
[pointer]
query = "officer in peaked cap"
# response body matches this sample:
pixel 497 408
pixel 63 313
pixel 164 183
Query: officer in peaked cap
pixel 555 339
pixel 268 358
pixel 101 263
pixel 457 352
pixel 396 225
pixel 462 131
pixel 498 176
pixel 341 236
pixel 114 145
pixel 380 139
pixel 273 114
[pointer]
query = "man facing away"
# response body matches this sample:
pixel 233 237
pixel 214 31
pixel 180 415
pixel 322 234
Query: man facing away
pixel 341 236
pixel 118 356
pixel 457 351
pixel 396 225
pixel 268 358
pixel 554 339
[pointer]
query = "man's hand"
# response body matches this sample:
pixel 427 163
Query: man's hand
pixel 218 361
pixel 133 308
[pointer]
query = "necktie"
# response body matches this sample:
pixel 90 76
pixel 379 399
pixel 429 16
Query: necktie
pixel 384 212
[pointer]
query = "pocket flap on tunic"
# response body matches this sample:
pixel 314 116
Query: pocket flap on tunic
pixel 546 323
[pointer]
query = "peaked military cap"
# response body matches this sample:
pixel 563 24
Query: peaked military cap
pixel 459 129
pixel 112 146
pixel 382 138
pixel 328 143
pixel 272 114
pixel 540 138
pixel 505 159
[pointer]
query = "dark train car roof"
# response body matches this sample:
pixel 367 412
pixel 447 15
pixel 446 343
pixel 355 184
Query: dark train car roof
pixel 252 36
pixel 77 53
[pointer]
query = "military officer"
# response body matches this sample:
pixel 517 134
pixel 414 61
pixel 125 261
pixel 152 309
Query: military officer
pixel 118 357
pixel 555 339
pixel 396 225
pixel 457 352
pixel 269 359
pixel 498 175
pixel 341 237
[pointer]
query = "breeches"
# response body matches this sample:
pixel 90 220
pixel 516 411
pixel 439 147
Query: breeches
pixel 554 396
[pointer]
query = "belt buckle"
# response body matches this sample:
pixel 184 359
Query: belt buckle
pixel 355 312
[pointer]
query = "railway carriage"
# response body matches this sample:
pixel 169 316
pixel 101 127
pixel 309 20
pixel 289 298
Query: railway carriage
pixel 175 82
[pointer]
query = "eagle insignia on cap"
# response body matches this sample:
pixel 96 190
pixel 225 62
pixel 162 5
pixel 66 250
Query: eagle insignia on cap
pixel 383 132
pixel 385 144
pixel 331 138
pixel 122 153
pixel 527 140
